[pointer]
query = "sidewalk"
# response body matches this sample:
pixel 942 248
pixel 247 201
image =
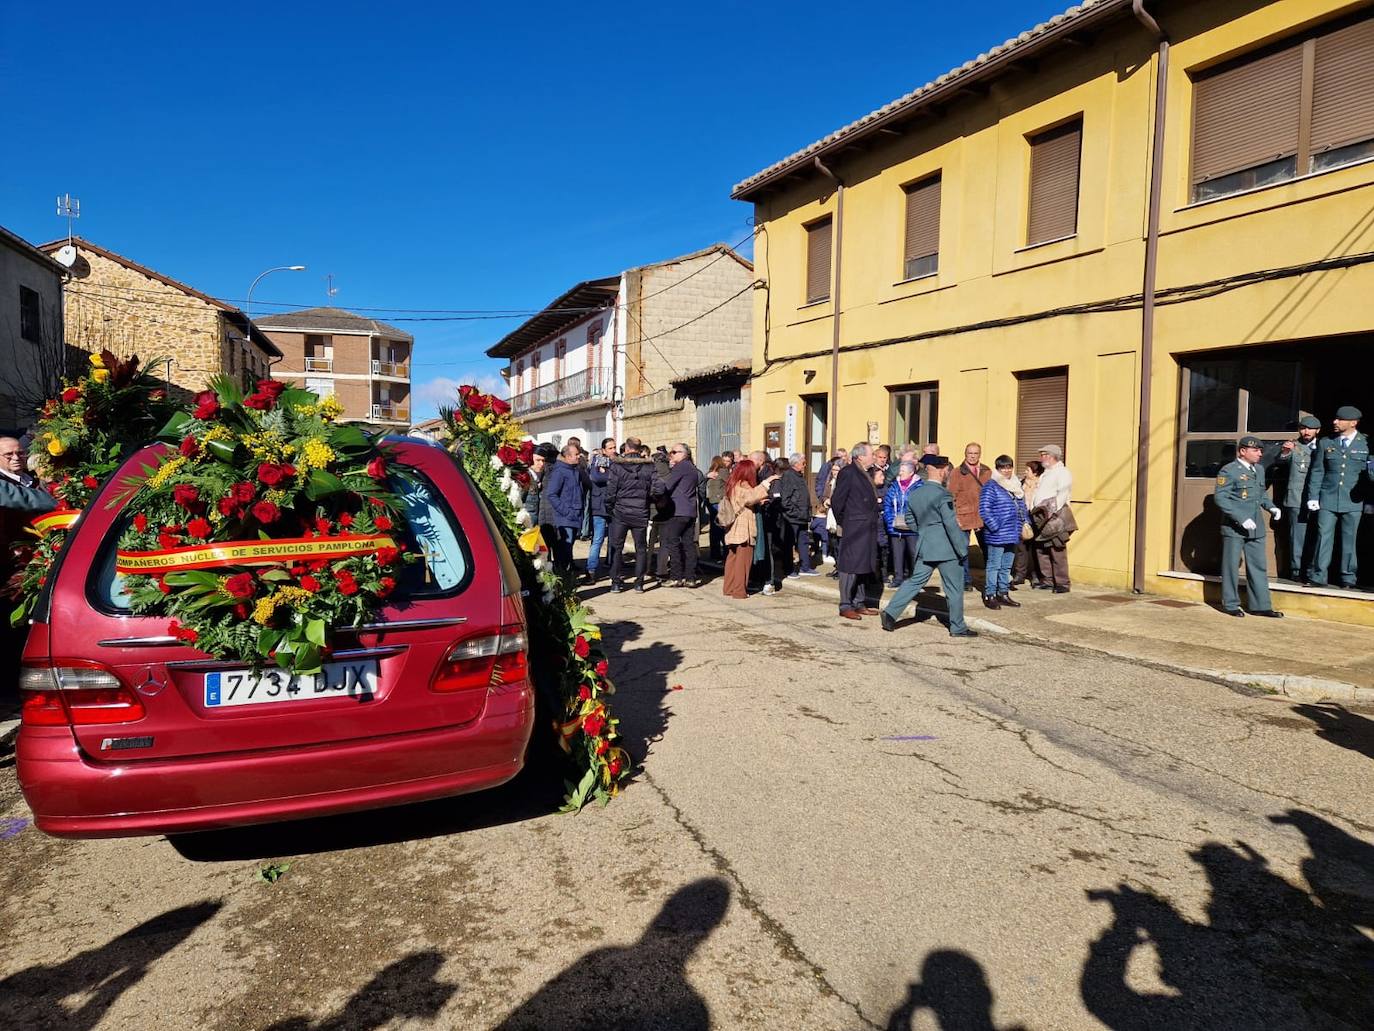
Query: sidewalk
pixel 1306 659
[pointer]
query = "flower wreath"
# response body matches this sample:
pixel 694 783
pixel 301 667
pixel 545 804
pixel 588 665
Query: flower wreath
pixel 82 436
pixel 570 668
pixel 265 528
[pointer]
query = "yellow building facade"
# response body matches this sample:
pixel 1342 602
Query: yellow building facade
pixel 1263 296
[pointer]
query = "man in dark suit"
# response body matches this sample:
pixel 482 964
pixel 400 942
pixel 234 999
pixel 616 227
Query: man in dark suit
pixel 856 507
pixel 940 545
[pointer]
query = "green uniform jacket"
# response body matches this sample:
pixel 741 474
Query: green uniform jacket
pixel 1240 496
pixel 1289 474
pixel 1339 479
pixel 931 511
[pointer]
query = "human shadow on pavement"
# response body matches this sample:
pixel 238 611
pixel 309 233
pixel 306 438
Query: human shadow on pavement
pixel 1267 954
pixel 1340 726
pixel 641 986
pixel 955 989
pixel 406 989
pixel 37 997
pixel 643 679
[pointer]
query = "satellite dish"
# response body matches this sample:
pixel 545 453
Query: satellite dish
pixel 66 255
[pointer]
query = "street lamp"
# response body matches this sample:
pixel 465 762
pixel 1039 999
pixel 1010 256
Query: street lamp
pixel 248 301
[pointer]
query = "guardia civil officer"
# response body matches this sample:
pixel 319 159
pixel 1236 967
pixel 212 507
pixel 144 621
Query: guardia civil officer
pixel 1290 471
pixel 1337 488
pixel 1241 499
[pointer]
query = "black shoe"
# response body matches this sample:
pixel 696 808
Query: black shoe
pixel 968 587
pixel 1271 613
pixel 639 587
pixel 1060 590
pixel 991 602
pixel 1040 587
pixel 1011 587
pixel 963 633
pixel 617 588
pixel 1232 612
pixel 889 624
pixel 1007 603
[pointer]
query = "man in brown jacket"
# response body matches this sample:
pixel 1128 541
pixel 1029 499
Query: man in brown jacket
pixel 966 484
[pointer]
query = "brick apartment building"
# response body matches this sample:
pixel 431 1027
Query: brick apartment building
pixel 111 301
pixel 362 362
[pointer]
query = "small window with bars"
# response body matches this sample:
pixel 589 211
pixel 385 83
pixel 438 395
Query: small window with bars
pixel 921 255
pixel 1306 105
pixel 1052 209
pixel 819 237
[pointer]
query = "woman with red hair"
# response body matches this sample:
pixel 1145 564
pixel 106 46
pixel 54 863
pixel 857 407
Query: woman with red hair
pixel 744 494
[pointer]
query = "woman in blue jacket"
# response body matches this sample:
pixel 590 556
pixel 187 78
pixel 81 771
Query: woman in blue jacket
pixel 899 530
pixel 1002 507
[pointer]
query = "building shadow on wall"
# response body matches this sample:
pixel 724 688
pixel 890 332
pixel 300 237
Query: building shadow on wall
pixel 95 979
pixel 954 988
pixel 1267 954
pixel 643 985
pixel 1341 727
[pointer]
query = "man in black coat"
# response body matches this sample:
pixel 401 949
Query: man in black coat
pixel 856 507
pixel 627 503
pixel 794 519
pixel 681 532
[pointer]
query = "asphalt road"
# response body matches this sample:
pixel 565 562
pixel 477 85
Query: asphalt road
pixel 833 827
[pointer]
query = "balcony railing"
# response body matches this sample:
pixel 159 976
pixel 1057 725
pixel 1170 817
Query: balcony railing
pixel 389 411
pixel 313 364
pixel 587 385
pixel 384 368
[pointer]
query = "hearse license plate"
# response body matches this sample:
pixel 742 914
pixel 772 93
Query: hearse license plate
pixel 357 680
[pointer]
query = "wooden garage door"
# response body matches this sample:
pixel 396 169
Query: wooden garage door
pixel 1042 412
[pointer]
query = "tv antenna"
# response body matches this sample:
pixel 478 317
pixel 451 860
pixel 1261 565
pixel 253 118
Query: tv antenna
pixel 330 289
pixel 69 207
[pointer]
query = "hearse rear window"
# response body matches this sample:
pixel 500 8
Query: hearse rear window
pixel 434 533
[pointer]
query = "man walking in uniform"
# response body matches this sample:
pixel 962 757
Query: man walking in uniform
pixel 1242 502
pixel 1336 490
pixel 1290 470
pixel 940 544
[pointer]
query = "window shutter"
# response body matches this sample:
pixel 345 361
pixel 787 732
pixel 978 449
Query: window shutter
pixel 818 243
pixel 923 219
pixel 1053 210
pixel 1042 413
pixel 1247 115
pixel 1343 87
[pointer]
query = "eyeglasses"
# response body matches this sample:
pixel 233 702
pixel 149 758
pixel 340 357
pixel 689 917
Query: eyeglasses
pixel 677 451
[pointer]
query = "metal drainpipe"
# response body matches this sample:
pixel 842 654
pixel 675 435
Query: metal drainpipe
pixel 835 302
pixel 1147 313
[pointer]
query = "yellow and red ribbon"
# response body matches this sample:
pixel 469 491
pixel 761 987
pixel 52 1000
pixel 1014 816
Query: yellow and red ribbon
pixel 50 521
pixel 247 553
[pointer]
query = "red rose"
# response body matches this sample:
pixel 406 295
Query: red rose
pixel 71 394
pixel 207 405
pixel 317 565
pixel 345 519
pixel 603 746
pixel 321 524
pixel 90 481
pixel 476 401
pixel 499 407
pixel 347 585
pixel 507 455
pixel 243 492
pixel 199 528
pixel 271 387
pixel 387 585
pixel 309 583
pixel 266 512
pixel 581 648
pixel 584 692
pixel 602 668
pixel 226 506
pixel 271 474
pixel 185 495
pixel 521 477
pixel 613 767
pixel 377 468
pixel 241 610
pixel 260 402
pixel 182 633
pixel 386 556
pixel 527 451
pixel 167 540
pixel 382 523
pixel 240 586
pixel 140 522
pixel 465 390
pixel 189 448
pixel 594 724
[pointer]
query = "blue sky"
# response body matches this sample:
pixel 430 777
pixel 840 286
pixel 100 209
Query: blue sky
pixel 438 156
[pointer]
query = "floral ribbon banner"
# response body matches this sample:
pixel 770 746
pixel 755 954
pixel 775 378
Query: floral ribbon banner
pixel 248 553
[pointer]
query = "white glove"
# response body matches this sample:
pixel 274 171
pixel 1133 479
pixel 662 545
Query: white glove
pixel 1313 505
pixel 1249 524
pixel 1277 513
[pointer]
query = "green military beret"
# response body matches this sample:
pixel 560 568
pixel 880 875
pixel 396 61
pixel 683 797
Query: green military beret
pixel 1249 442
pixel 1310 422
pixel 1348 412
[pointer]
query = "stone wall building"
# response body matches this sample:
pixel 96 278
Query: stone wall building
pixel 362 362
pixel 113 302
pixel 32 356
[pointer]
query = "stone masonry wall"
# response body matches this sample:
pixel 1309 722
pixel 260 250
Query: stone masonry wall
pixel 661 418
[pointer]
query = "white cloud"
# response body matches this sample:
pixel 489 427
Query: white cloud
pixel 426 397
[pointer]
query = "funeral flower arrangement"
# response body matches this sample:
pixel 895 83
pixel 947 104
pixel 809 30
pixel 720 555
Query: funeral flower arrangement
pixel 570 668
pixel 263 526
pixel 82 435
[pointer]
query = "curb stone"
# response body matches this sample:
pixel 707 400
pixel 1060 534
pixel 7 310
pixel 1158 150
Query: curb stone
pixel 9 730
